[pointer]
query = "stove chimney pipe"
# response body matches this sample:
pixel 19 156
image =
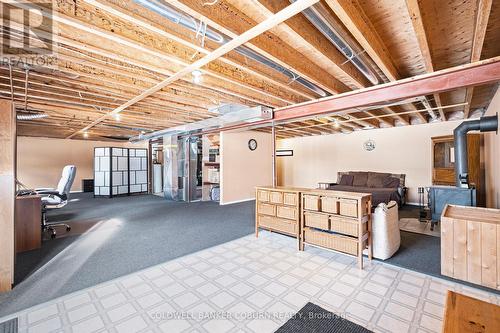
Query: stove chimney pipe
pixel 484 124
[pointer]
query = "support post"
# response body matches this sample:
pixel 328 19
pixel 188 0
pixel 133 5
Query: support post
pixel 273 134
pixel 7 193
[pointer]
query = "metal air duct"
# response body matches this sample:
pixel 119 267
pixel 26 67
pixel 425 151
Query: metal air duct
pixel 30 116
pixel 237 114
pixel 484 124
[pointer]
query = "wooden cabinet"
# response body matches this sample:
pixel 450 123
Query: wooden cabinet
pixel 470 245
pixel 278 209
pixel 443 163
pixel 28 227
pixel 339 221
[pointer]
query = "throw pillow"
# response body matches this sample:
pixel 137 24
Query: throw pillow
pixel 360 179
pixel 391 182
pixel 346 180
pixel 376 179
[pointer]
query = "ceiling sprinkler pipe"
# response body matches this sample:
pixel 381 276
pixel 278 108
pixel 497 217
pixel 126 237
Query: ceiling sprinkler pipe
pixel 317 19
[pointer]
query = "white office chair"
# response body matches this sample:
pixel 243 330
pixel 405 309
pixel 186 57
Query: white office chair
pixel 56 198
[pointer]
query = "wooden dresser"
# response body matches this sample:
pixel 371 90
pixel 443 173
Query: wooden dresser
pixel 335 220
pixel 278 209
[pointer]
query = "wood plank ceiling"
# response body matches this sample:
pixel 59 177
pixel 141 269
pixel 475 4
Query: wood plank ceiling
pixel 109 51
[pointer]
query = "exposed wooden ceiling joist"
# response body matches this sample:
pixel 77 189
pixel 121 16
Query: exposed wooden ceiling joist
pixel 482 16
pixel 276 19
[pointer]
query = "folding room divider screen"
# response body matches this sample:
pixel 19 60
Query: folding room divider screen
pixel 120 171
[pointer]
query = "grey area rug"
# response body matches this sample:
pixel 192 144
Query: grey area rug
pixel 9 326
pixel 314 319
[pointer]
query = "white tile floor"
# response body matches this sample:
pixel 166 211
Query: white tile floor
pixel 250 285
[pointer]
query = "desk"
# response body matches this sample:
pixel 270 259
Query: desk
pixel 27 225
pixel 465 314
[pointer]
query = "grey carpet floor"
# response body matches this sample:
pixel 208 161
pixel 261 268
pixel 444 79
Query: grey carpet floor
pixel 120 236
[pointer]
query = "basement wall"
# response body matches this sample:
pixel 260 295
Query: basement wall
pixel 492 158
pixel 243 169
pixel 398 150
pixel 40 160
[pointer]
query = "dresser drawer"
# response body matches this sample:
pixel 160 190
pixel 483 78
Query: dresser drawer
pixel 286 212
pixel 331 241
pixel 348 207
pixel 311 202
pixel 329 205
pixel 263 195
pixel 276 197
pixel 277 224
pixel 316 220
pixel 267 209
pixel 345 225
pixel 290 199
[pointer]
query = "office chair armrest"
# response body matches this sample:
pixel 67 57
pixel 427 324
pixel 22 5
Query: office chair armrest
pixel 46 192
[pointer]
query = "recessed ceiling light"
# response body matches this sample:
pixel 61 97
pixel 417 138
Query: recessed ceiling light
pixel 117 117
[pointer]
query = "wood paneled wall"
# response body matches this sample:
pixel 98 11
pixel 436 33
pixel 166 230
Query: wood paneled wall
pixel 7 193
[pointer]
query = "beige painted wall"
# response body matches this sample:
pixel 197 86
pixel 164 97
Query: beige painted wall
pixel 492 158
pixel 398 150
pixel 40 160
pixel 242 169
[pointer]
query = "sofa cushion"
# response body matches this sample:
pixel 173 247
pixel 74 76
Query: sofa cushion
pixel 392 182
pixel 346 180
pixel 376 179
pixel 360 178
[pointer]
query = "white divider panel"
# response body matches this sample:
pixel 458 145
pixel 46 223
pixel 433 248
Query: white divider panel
pixel 101 170
pixel 115 168
pixel 138 170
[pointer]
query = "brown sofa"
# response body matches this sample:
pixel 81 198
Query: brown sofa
pixel 384 187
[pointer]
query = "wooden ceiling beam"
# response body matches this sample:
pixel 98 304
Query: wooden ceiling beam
pixel 232 22
pixel 478 73
pixel 356 21
pixel 419 29
pixel 483 12
pixel 286 13
pixel 177 92
pixel 123 11
pixel 115 56
pixel 352 15
pixel 172 60
pixel 92 95
pixel 302 35
pixel 105 105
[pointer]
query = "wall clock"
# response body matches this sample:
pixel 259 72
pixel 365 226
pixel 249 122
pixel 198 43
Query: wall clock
pixel 369 145
pixel 252 144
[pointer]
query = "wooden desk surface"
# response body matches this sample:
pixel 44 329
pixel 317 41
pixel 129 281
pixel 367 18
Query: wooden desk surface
pixel 465 314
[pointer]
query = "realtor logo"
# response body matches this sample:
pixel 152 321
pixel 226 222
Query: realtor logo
pixel 27 29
